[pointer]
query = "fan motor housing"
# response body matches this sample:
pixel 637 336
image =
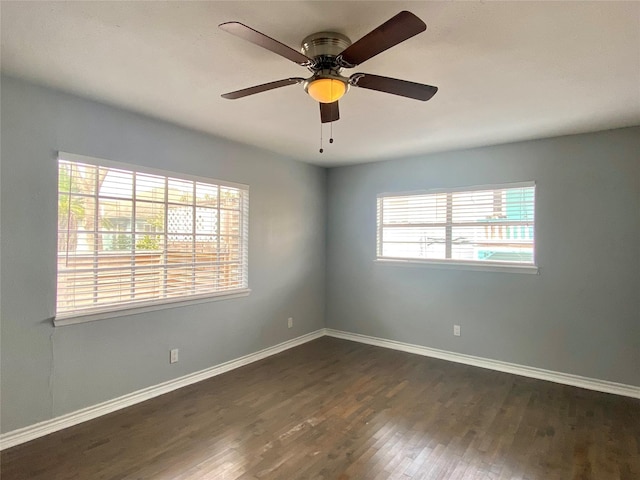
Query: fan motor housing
pixel 324 44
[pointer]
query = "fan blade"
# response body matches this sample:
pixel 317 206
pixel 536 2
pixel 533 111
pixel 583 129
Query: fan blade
pixel 394 31
pixel 417 91
pixel 261 88
pixel 329 112
pixel 240 30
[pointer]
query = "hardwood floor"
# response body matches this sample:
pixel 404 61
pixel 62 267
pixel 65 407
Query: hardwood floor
pixel 334 409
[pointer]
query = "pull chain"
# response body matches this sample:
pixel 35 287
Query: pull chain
pixel 331 126
pixel 321 149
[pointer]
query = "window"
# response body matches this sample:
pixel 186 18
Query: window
pixel 132 237
pixel 484 225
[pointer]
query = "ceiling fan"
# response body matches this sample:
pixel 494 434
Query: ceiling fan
pixel 326 54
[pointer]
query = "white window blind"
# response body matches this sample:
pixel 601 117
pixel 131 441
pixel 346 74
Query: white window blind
pixel 476 225
pixel 133 237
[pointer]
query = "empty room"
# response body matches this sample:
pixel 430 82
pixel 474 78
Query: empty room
pixel 328 240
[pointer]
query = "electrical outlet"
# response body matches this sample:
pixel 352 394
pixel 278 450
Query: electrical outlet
pixel 290 322
pixel 456 330
pixel 173 355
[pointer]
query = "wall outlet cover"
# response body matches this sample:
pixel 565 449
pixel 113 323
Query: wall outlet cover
pixel 173 355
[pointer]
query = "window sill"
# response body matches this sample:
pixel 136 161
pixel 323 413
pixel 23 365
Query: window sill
pixel 72 319
pixel 458 265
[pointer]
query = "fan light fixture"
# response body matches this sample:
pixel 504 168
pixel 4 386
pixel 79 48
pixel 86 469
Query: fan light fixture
pixel 326 90
pixel 327 54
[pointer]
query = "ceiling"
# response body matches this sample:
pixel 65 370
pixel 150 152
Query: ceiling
pixel 506 71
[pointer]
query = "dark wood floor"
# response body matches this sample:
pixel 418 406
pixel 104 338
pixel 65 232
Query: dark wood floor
pixel 333 409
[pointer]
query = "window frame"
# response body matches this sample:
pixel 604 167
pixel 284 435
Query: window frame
pixel 114 310
pixel 458 264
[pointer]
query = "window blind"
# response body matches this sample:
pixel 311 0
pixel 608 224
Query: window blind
pixel 483 224
pixel 132 237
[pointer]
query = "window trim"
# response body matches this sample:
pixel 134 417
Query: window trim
pixel 456 264
pixel 460 265
pixel 151 306
pixel 125 309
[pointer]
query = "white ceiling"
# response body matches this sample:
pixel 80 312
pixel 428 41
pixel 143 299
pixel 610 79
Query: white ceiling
pixel 506 71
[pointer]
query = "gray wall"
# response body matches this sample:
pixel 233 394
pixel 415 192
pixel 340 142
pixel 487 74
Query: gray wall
pixel 48 372
pixel 581 315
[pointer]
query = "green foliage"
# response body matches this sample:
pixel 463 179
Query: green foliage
pixel 71 211
pixel 157 221
pixel 121 242
pixel 68 206
pixel 64 180
pixel 148 242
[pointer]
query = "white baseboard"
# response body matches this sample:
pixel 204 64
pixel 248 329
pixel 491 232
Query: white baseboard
pixel 41 429
pixel 22 435
pixel 532 372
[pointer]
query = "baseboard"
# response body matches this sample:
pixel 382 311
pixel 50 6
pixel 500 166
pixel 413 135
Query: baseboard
pixel 22 435
pixel 525 371
pixel 41 429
